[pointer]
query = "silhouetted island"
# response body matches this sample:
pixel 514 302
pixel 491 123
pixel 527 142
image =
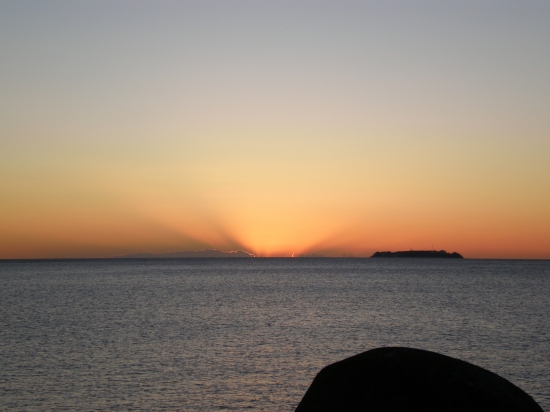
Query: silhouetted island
pixel 419 254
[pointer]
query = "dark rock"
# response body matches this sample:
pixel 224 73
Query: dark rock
pixel 405 379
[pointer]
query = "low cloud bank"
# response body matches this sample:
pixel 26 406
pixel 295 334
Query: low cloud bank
pixel 209 253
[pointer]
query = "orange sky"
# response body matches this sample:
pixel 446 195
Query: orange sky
pixel 275 128
pixel 338 202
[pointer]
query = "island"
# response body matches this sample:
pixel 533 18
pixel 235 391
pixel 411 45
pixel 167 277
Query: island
pixel 418 254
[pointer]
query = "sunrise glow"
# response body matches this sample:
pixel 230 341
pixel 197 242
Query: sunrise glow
pixel 274 128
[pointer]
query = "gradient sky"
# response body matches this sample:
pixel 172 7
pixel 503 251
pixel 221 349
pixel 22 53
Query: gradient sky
pixel 278 127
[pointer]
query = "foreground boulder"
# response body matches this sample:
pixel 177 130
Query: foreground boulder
pixel 404 379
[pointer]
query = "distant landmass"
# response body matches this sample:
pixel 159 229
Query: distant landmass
pixel 210 253
pixel 419 254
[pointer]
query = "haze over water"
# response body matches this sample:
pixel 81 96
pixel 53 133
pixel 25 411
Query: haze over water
pixel 219 334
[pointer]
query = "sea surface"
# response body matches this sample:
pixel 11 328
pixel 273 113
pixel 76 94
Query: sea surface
pixel 250 334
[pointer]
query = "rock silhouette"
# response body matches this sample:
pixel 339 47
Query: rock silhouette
pixel 404 379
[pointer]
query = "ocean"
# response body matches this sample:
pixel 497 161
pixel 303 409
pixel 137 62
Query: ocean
pixel 251 334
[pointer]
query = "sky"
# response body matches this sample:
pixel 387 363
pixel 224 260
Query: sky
pixel 276 127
